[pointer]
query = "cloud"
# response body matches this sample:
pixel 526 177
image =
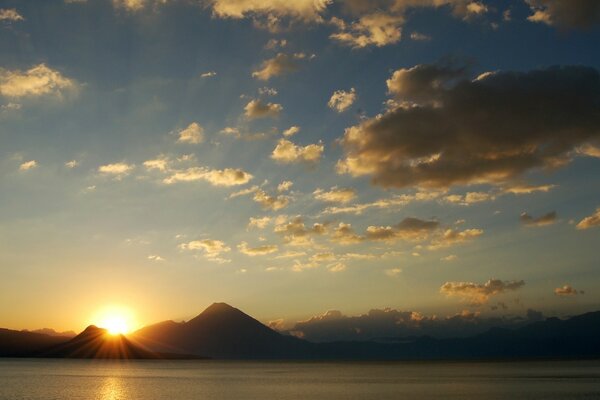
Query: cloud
pixel 413 229
pixel 286 152
pixel 225 177
pixel 528 189
pixel 469 198
pixel 341 100
pixel 279 65
pixel 10 15
pixel 393 272
pixel 259 223
pixel 129 5
pixel 345 235
pixel 258 109
pixel 452 237
pixel 36 81
pixel 160 163
pixel 208 74
pixel 420 37
pixel 591 221
pixel 333 325
pixel 492 129
pixel 194 134
pixel 565 13
pixel 567 291
pixel 212 249
pixel 285 186
pixel 478 293
pixel 118 170
pixel 384 204
pixel 291 131
pixel 71 164
pixel 270 202
pixel 295 231
pixel 155 257
pixel 335 195
pixel 257 251
pixel 377 29
pixel 27 165
pixel 544 220
pixel 306 10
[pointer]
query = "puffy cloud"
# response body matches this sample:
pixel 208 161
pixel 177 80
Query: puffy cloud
pixel 546 219
pixel 212 249
pixel 155 257
pixel 225 177
pixel 591 221
pixel 194 134
pixel 257 251
pixel 377 29
pixel 160 163
pixel 408 229
pixel 478 293
pixel 39 80
pixel 291 131
pixel 270 202
pixel 258 109
pixel 335 195
pixel 117 170
pixel 281 64
pixel 286 152
pixel 341 100
pixel 27 165
pixel 307 10
pixel 566 291
pixel 452 237
pixel 10 14
pixel 490 130
pixel 285 186
pixel 565 13
pixel 333 325
pixel 259 223
pixel 295 231
pixel 345 235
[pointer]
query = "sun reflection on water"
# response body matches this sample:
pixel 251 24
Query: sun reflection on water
pixel 112 389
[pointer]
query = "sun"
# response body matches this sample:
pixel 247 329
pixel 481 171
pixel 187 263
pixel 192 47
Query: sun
pixel 117 320
pixel 115 325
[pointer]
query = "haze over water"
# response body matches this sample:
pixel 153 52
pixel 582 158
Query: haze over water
pixel 114 380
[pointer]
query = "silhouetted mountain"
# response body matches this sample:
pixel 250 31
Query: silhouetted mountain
pixel 222 331
pixel 96 342
pixel 23 343
pixel 52 332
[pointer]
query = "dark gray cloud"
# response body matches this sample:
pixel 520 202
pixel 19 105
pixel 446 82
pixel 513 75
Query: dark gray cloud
pixel 492 129
pixel 566 13
pixel 379 324
pixel 546 219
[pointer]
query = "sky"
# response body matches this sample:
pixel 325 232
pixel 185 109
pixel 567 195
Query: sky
pixel 306 161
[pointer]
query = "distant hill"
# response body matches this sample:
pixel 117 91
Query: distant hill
pixel 222 331
pixel 22 343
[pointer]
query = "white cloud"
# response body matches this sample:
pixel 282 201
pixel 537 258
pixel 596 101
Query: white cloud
pixel 291 131
pixel 477 293
pixel 257 251
pixel 259 223
pixel 26 166
pixel 591 221
pixel 341 100
pixel 194 134
pixel 36 81
pixel 212 249
pixel 287 152
pixel 225 177
pixel 72 164
pixel 10 14
pixel 258 109
pixel 335 195
pixel 209 74
pixel 281 64
pixel 117 170
pixel 285 186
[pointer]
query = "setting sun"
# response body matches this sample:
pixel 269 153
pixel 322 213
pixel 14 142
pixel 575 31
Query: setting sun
pixel 116 320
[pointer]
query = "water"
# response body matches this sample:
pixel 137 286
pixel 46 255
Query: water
pixel 208 380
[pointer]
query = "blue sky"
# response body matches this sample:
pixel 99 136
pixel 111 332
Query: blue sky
pixel 143 160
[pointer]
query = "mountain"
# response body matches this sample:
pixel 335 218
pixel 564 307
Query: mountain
pixel 22 343
pixel 222 331
pixel 96 342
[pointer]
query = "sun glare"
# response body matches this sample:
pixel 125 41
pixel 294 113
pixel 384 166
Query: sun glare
pixel 116 320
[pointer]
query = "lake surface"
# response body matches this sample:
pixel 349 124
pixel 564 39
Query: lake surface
pixel 208 380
